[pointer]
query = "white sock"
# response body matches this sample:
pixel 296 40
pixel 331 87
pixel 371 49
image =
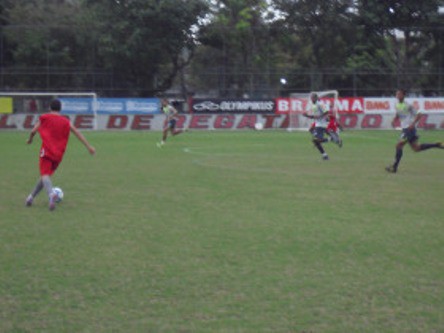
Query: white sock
pixel 47 184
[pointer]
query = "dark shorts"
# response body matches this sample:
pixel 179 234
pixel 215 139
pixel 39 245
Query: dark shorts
pixel 318 133
pixel 409 135
pixel 172 124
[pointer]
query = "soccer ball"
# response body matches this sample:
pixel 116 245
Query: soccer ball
pixel 258 126
pixel 58 192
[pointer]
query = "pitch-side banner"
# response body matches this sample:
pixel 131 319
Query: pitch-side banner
pixel 300 105
pixel 155 122
pixel 360 104
pixel 110 105
pixel 385 105
pixel 232 106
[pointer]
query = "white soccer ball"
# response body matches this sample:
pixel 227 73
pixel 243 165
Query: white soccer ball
pixel 258 126
pixel 58 192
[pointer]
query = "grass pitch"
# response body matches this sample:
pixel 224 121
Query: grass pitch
pixel 224 232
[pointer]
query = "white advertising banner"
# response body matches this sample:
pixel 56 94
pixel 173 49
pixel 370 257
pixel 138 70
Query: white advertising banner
pixel 155 122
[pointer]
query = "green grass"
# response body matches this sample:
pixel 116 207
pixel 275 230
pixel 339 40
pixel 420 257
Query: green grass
pixel 224 232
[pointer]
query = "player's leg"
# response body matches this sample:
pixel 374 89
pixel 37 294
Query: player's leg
pixel 164 136
pixel 47 169
pixel 318 139
pixel 408 135
pixel 424 146
pixel 334 137
pixel 340 143
pixel 319 146
pixel 174 131
pixel 38 187
pixel 413 139
pixel 398 155
pixel 47 184
pixel 311 129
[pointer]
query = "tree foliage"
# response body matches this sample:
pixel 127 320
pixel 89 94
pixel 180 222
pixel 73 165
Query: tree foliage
pixel 233 47
pixel 144 42
pixel 140 42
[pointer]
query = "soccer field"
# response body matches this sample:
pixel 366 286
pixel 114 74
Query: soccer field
pixel 224 232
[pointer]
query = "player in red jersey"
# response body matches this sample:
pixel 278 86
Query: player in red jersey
pixel 333 127
pixel 54 130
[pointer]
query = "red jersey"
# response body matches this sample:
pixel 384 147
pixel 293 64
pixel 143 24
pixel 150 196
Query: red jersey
pixel 332 124
pixel 54 130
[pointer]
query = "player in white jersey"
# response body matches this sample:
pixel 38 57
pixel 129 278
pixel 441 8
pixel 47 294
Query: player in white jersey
pixel 408 118
pixel 170 121
pixel 320 117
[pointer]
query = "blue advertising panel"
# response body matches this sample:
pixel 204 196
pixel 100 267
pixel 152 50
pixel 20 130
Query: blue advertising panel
pixel 83 105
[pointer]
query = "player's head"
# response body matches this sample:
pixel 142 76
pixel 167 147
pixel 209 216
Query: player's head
pixel 314 97
pixel 164 102
pixel 55 105
pixel 400 94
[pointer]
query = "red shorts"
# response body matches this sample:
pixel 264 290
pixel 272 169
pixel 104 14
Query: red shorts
pixel 48 166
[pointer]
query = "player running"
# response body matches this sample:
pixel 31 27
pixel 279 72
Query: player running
pixel 319 114
pixel 408 117
pixel 333 128
pixel 54 130
pixel 170 121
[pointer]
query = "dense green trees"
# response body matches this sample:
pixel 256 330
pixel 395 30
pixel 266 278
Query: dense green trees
pixel 135 47
pixel 221 47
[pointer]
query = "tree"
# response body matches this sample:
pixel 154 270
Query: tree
pixel 234 46
pixel 143 42
pixel 318 36
pixel 39 36
pixel 400 36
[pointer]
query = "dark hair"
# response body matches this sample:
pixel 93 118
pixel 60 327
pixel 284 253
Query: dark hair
pixel 403 91
pixel 55 105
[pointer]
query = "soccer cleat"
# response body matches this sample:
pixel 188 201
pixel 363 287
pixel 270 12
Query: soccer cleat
pixel 29 200
pixel 160 144
pixel 441 145
pixel 391 169
pixel 52 201
pixel 325 158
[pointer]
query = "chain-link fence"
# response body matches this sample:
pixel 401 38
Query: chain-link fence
pixel 223 84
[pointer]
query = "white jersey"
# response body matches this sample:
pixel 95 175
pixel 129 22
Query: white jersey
pixel 317 110
pixel 169 111
pixel 406 114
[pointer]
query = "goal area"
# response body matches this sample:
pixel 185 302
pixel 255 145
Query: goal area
pixel 38 102
pixel 302 103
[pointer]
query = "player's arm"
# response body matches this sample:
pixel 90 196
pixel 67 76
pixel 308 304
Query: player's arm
pixel 395 119
pixel 33 132
pixel 324 114
pixel 417 117
pixel 82 139
pixel 415 121
pixel 173 111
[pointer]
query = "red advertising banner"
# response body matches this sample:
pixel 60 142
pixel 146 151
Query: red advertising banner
pixel 300 105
